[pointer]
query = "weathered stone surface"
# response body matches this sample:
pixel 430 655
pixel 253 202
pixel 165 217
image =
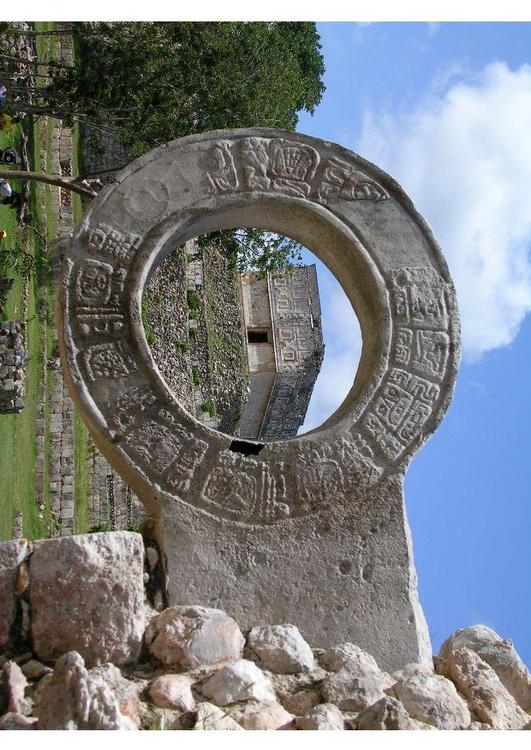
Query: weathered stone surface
pixel 211 717
pixel 280 648
pixel 499 653
pixel 12 721
pixel 87 595
pixel 324 717
pixel 350 656
pixel 172 691
pixel 127 692
pixel 12 554
pixel 386 714
pixel 488 699
pixel 430 698
pixel 194 636
pixel 74 700
pixel 14 685
pixel 34 670
pixel 298 693
pixel 322 512
pixel 240 681
pixel 301 702
pixel 351 692
pixel 261 716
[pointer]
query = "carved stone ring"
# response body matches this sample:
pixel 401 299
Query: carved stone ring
pixel 359 222
pixel 312 530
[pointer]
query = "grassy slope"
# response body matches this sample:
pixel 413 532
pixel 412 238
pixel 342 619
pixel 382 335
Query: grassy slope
pixel 81 523
pixel 18 431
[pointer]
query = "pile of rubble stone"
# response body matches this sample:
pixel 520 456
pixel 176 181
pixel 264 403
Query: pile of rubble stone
pixel 115 663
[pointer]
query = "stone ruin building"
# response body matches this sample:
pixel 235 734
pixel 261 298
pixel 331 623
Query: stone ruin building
pixel 282 317
pixel 242 352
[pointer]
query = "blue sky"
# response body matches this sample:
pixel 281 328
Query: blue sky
pixel 446 109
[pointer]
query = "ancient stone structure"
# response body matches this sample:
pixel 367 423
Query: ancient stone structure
pixel 77 604
pixel 285 348
pixel 12 368
pixel 312 530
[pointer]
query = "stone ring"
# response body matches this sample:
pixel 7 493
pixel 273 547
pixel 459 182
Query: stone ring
pixel 359 222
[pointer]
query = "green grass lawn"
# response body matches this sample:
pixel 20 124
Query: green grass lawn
pixel 17 431
pixel 18 445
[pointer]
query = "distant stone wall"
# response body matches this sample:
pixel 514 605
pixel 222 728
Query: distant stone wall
pixel 101 149
pixel 12 368
pixel 193 321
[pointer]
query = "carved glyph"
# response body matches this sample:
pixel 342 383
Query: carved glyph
pixel 289 167
pixel 98 306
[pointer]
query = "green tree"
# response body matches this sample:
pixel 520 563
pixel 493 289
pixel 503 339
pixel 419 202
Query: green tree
pixel 160 81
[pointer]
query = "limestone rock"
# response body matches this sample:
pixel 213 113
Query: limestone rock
pixel 172 691
pixel 194 636
pixel 255 715
pixel 280 648
pixel 12 554
pixel 487 697
pixel 87 595
pixel 481 725
pixel 127 692
pixel 12 721
pixel 430 698
pixel 298 693
pixel 386 714
pixel 14 685
pixel 211 717
pixel 324 717
pixel 34 669
pixel 73 699
pixel 301 702
pixel 351 692
pixel 240 681
pixel 349 656
pixel 499 653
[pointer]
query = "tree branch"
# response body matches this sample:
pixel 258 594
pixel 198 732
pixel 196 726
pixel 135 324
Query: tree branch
pixel 75 184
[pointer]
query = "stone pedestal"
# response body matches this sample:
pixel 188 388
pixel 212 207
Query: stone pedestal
pixel 337 576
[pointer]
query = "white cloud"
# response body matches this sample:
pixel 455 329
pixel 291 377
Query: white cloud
pixel 464 157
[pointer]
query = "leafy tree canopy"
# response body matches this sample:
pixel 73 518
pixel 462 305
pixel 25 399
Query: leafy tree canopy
pixel 166 80
pixel 160 81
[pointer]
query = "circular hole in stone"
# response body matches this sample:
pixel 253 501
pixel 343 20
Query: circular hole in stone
pixel 345 567
pixel 252 333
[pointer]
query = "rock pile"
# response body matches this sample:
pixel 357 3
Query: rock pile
pixel 190 667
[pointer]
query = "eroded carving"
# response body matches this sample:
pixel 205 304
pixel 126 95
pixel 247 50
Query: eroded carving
pixel 107 240
pixel 246 490
pixel 342 180
pixel 421 298
pixel 166 449
pixel 148 200
pixel 221 172
pixel 97 299
pixel 125 410
pixel 110 360
pixel 399 411
pixel 292 166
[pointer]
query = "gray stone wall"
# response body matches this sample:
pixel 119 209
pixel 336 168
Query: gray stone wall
pixel 12 368
pixel 101 149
